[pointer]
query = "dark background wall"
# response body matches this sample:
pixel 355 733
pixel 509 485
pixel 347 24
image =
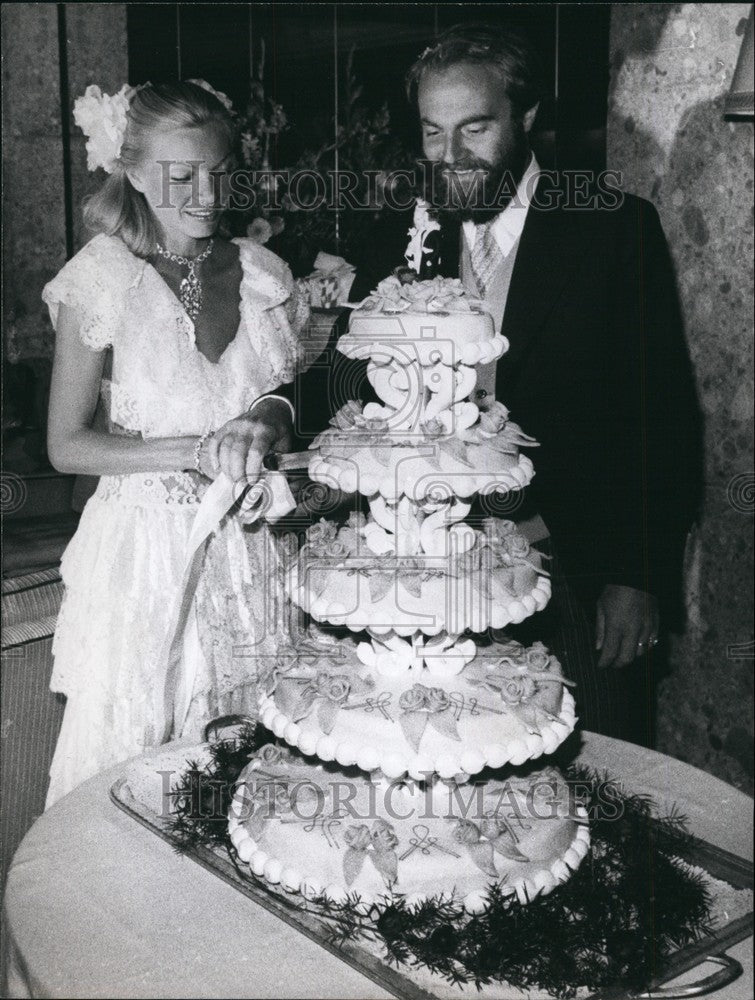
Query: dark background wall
pixel 308 44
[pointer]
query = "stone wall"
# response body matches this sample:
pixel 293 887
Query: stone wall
pixel 671 66
pixel 34 216
pixel 33 205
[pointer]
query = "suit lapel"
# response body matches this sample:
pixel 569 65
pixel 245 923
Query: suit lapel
pixel 450 249
pixel 545 259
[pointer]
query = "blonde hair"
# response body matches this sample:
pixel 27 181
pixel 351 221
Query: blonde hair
pixel 118 209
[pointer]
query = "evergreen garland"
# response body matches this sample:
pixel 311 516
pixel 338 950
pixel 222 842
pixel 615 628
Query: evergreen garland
pixel 202 796
pixel 630 904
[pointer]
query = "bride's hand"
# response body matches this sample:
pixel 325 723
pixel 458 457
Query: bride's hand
pixel 238 447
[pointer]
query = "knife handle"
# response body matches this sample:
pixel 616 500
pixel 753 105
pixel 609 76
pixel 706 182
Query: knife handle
pixel 297 461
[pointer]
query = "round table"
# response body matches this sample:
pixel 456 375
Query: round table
pixel 98 906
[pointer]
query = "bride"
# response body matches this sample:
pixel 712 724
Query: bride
pixel 177 334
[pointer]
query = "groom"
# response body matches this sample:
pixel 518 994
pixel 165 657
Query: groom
pixel 581 284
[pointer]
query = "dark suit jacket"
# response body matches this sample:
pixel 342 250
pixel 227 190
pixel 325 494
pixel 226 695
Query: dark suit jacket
pixel 599 373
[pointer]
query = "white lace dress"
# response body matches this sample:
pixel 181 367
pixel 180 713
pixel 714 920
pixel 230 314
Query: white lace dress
pixel 123 568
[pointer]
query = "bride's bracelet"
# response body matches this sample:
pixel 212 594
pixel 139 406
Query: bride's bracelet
pixel 198 450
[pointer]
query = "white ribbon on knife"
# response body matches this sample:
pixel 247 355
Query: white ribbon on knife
pixel 270 498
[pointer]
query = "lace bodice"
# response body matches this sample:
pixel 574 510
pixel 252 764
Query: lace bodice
pixel 162 385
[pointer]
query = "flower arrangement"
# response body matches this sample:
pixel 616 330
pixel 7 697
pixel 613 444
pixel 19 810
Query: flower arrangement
pixel 362 145
pixel 263 121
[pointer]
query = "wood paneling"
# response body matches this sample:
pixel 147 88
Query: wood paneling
pixel 305 42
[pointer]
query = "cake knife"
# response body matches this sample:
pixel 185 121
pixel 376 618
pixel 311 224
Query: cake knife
pixel 294 461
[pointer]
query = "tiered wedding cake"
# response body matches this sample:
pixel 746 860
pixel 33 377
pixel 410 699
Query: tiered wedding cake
pixel 400 726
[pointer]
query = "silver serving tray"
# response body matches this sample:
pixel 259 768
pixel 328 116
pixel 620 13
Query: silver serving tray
pixel 294 910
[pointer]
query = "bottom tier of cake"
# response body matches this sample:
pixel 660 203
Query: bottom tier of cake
pixel 320 830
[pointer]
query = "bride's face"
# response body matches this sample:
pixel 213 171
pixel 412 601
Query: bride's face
pixel 181 176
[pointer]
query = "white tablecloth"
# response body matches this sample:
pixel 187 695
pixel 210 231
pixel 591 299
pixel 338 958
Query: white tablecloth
pixel 98 906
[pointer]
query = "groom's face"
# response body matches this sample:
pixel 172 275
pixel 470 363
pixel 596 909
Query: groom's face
pixel 471 134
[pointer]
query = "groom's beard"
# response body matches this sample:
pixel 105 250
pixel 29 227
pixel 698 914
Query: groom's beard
pixel 473 189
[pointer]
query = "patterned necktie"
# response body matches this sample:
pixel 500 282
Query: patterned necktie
pixel 486 256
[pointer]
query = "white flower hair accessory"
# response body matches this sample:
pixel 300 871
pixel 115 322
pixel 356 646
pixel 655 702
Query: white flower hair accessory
pixel 223 98
pixel 102 119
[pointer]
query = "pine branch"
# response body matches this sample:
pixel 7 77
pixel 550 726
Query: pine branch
pixel 628 907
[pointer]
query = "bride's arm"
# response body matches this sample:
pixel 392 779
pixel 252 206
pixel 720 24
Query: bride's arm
pixel 72 445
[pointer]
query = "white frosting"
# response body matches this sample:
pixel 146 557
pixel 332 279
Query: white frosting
pixel 305 848
pixel 485 706
pixel 417 471
pixel 415 338
pixel 475 601
pixel 421 379
pixel 373 741
pixel 431 711
pixel 427 435
pixel 433 296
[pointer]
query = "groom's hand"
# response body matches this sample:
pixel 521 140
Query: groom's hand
pixel 238 447
pixel 627 625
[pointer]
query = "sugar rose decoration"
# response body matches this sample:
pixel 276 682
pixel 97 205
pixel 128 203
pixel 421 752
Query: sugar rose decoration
pixel 518 689
pixel 420 706
pixel 518 546
pixel 466 832
pixel 437 700
pixel 326 692
pixel 323 541
pixel 494 419
pixel 497 530
pixel 322 532
pixel 358 837
pixel 378 844
pixel 335 688
pixel 383 836
pixel 412 700
pixel 270 754
pixel 433 428
pixel 538 657
pixel 484 839
pixel 270 800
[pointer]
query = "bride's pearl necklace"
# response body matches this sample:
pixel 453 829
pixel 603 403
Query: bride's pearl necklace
pixel 190 289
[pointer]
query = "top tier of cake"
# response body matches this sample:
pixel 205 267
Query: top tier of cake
pixel 422 323
pixel 423 342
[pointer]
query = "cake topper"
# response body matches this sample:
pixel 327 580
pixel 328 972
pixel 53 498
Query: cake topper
pixel 423 252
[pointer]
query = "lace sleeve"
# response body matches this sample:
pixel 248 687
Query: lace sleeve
pixel 94 283
pixel 297 308
pixel 276 315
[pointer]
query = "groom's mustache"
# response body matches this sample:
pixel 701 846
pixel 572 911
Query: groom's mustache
pixel 485 190
pixel 469 163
